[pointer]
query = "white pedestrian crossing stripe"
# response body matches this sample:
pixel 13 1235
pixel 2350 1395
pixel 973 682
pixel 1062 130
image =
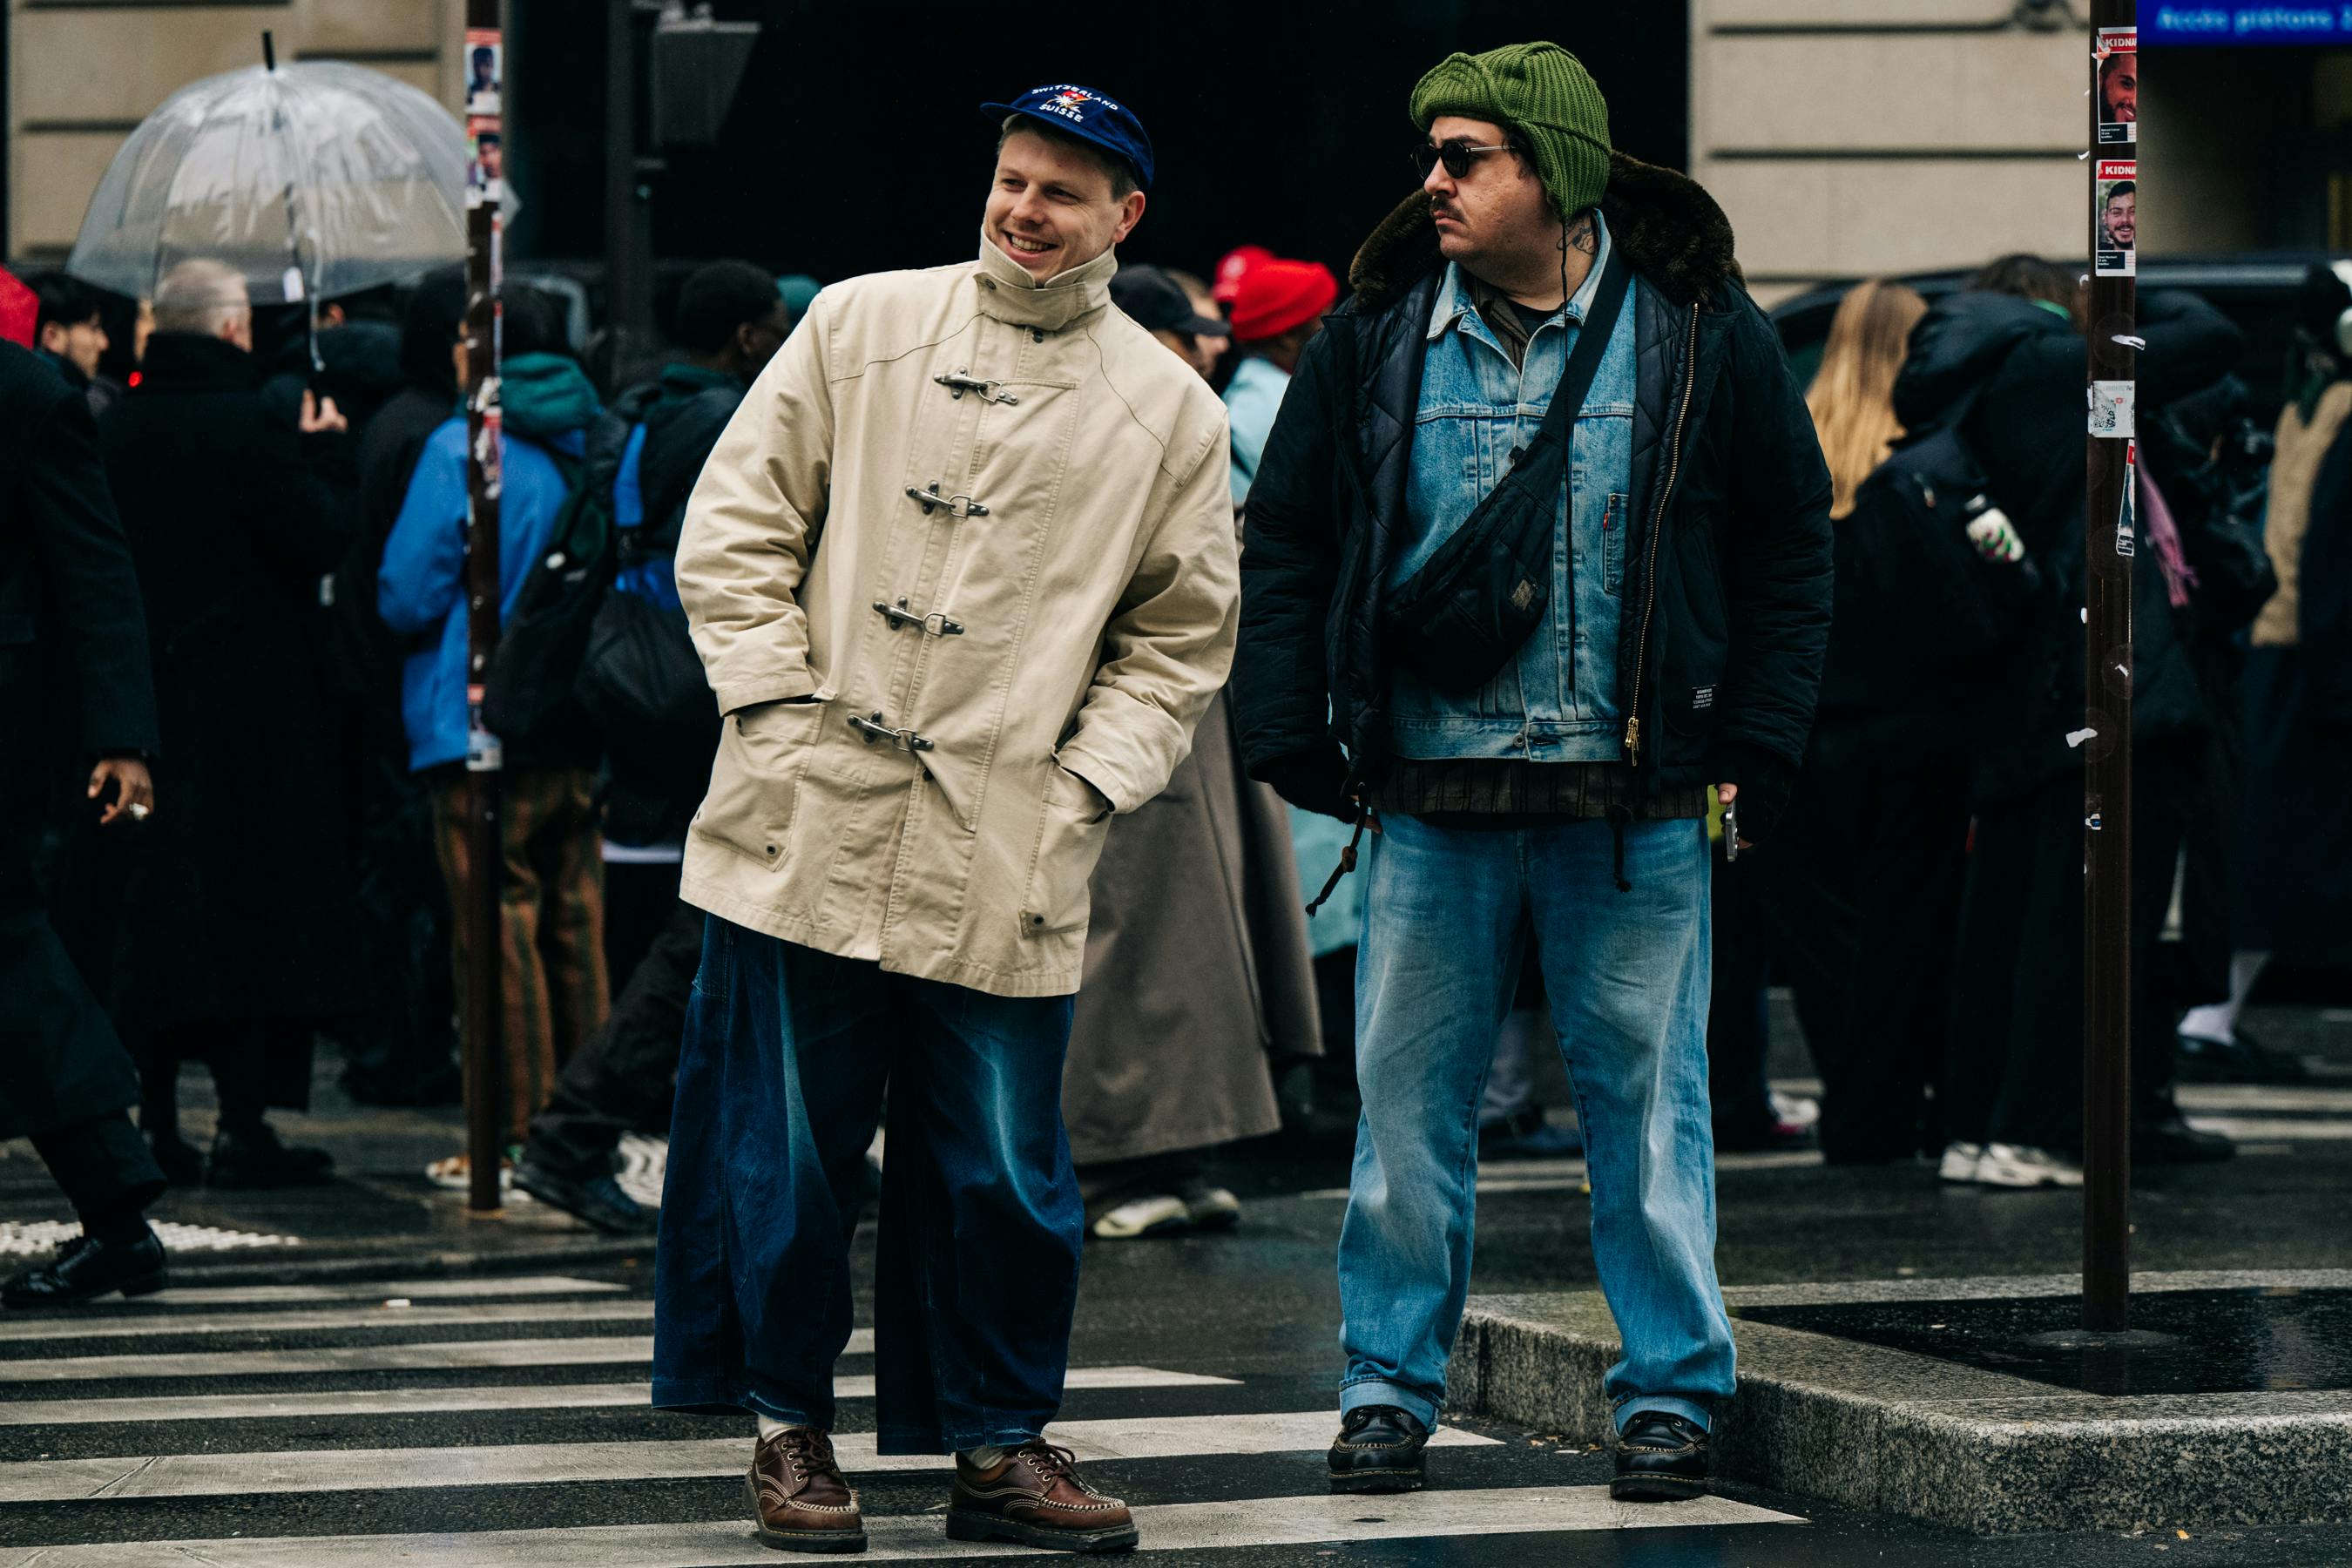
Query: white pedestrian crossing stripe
pixel 460 1289
pixel 602 1350
pixel 1309 1520
pixel 355 1316
pixel 23 1239
pixel 417 1401
pixel 1282 1449
pixel 521 1464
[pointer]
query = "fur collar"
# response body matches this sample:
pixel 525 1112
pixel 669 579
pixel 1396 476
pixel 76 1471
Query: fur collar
pixel 1672 230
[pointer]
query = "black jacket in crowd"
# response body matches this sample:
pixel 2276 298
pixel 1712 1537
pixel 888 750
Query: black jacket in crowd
pixel 1726 592
pixel 684 411
pixel 74 687
pixel 241 900
pixel 2013 371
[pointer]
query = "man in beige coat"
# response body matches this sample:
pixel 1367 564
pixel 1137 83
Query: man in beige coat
pixel 962 573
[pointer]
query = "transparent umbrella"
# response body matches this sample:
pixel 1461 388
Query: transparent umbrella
pixel 314 179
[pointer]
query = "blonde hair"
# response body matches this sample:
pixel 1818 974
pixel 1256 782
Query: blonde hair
pixel 1852 399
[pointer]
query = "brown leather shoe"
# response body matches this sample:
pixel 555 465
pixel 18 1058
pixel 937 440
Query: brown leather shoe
pixel 1035 1497
pixel 799 1501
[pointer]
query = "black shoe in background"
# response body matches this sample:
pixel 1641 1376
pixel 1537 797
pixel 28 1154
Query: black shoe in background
pixel 256 1157
pixel 1379 1449
pixel 86 1267
pixel 597 1199
pixel 1660 1458
pixel 183 1163
pixel 1760 1136
pixel 2165 1138
pixel 2242 1060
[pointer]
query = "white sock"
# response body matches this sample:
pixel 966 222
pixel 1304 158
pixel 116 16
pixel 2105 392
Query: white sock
pixel 2218 1020
pixel 769 1426
pixel 986 1458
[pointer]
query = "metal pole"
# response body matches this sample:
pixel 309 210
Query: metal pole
pixel 485 966
pixel 2110 549
pixel 628 263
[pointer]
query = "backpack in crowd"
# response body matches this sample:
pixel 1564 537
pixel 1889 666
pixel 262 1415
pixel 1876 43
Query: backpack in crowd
pixel 1919 604
pixel 528 700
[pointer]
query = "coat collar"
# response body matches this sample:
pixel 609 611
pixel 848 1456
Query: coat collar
pixel 1008 293
pixel 191 362
pixel 1674 234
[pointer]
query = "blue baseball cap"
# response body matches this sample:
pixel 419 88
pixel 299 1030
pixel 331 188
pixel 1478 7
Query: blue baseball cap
pixel 1088 115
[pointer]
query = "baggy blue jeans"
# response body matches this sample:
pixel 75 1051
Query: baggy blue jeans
pixel 1447 911
pixel 780 1085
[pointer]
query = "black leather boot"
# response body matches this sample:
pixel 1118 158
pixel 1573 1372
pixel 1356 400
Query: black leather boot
pixel 85 1268
pixel 1660 1458
pixel 1378 1450
pixel 254 1156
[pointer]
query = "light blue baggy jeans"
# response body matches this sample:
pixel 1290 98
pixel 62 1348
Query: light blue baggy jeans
pixel 1448 911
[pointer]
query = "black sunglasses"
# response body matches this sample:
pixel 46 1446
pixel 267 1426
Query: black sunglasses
pixel 1455 152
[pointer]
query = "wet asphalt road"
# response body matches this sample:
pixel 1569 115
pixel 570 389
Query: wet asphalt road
pixel 1256 1309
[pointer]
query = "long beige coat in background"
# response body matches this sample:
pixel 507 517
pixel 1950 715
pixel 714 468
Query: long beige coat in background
pixel 1199 976
pixel 911 680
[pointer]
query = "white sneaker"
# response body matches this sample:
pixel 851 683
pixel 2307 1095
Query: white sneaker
pixel 1144 1216
pixel 1960 1162
pixel 2015 1165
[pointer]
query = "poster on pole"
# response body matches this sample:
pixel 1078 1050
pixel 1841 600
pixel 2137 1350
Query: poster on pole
pixel 2115 218
pixel 2118 85
pixel 486 70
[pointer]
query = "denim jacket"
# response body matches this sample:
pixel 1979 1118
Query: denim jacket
pixel 1557 700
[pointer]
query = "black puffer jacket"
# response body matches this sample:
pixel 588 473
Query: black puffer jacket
pixel 2013 371
pixel 1727 589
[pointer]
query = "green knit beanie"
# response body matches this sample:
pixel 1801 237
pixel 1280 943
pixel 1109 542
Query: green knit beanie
pixel 1547 94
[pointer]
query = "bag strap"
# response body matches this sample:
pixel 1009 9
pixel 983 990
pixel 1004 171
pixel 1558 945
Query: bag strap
pixel 1591 342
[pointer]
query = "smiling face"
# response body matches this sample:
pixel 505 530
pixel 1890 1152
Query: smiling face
pixel 2123 218
pixel 1496 217
pixel 2119 88
pixel 1053 207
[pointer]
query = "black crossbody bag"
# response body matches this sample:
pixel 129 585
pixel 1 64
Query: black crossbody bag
pixel 1461 616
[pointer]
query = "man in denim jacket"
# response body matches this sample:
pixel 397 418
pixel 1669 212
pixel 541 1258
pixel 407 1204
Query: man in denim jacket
pixel 1688 612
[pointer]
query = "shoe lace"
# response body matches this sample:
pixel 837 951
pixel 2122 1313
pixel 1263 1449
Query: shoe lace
pixel 1053 1462
pixel 1363 1416
pixel 809 1449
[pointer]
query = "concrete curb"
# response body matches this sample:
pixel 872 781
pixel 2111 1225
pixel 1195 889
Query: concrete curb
pixel 1892 1432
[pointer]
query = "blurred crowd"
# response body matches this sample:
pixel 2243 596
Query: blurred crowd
pixel 293 492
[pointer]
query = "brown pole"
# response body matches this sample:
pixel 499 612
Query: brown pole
pixel 485 969
pixel 2110 550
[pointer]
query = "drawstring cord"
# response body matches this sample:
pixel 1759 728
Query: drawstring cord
pixel 1619 815
pixel 1364 815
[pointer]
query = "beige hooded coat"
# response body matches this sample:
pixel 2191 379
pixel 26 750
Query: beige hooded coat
pixel 965 551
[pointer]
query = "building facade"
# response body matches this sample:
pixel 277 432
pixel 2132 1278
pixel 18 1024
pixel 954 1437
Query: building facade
pixel 1853 138
pixel 81 74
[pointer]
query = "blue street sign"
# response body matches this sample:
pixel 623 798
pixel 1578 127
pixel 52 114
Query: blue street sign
pixel 2270 23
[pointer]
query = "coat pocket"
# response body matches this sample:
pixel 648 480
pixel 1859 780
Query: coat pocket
pixel 1072 828
pixel 761 753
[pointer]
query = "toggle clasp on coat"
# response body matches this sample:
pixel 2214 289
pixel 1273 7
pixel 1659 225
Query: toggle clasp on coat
pixel 957 506
pixel 961 380
pixel 875 729
pixel 898 615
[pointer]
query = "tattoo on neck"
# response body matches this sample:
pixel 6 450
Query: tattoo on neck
pixel 1585 234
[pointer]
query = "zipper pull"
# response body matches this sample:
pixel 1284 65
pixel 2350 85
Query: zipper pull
pixel 1633 743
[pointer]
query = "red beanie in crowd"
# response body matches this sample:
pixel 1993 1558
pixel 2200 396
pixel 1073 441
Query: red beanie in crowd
pixel 1276 296
pixel 20 308
pixel 1234 269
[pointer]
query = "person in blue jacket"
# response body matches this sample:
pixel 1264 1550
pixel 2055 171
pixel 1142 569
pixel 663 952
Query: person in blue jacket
pixel 551 887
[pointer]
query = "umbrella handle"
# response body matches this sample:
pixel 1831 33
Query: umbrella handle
pixel 268 51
